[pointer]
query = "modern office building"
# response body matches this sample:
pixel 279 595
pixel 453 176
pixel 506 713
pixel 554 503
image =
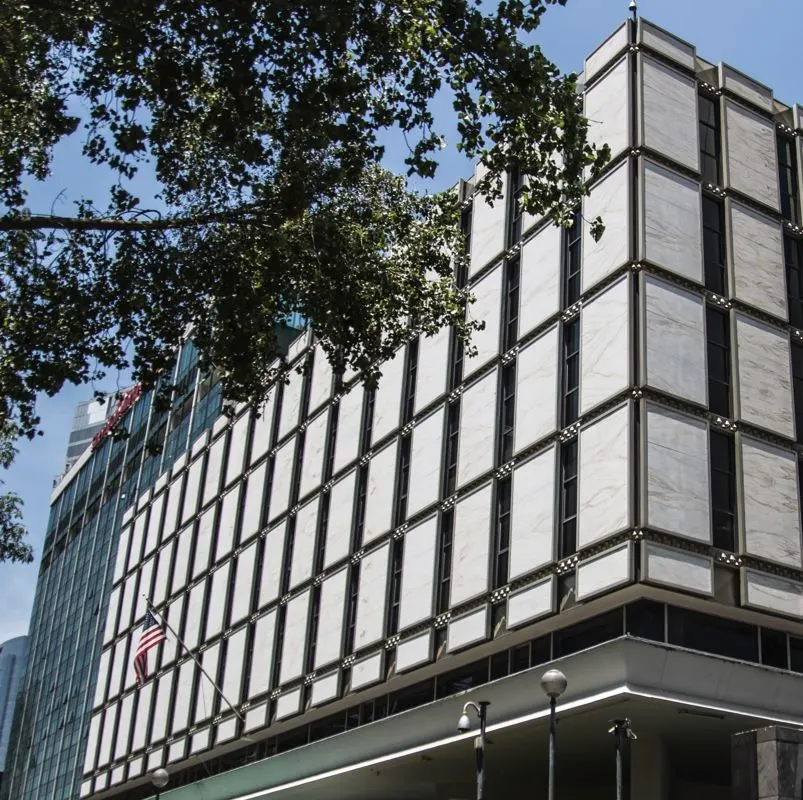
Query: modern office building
pixel 611 486
pixel 89 419
pixel 13 659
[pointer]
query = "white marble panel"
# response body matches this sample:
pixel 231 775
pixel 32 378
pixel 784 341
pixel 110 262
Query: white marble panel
pixel 325 689
pixel 110 629
pixel 604 572
pixel 161 585
pixel 677 474
pixel 118 664
pixel 536 390
pixel 203 543
pixel 471 546
pixel 192 493
pixel 102 675
pixel 295 638
pixel 124 726
pixel 468 629
pixel 487 308
pixel 227 522
pixel 263 428
pixel 607 104
pixel 772 593
pixel 610 48
pixel 177 750
pixel 183 696
pixel 341 513
pixel 603 503
pixel 291 403
pixel 751 164
pixel 137 541
pixel 487 231
pixel 255 717
pixel 771 502
pixel 216 603
pixel 380 493
pixel 200 741
pixel 371 597
pixel 418 573
pixel 304 543
pixel 678 569
pixel 349 426
pixel 433 368
pixel 605 345
pixel 477 425
pixel 414 652
pixel 205 699
pixel 214 465
pixel 107 737
pixel 282 480
pixel 175 611
pixel 254 502
pixel 532 527
pixel 751 90
pixel 243 584
pixel 143 716
pixel 764 372
pixel 171 512
pixel 669 108
pixel 161 707
pixel 609 199
pixel 314 452
pixel 426 460
pixel 122 554
pixel 154 525
pixel 366 672
pixel 272 564
pixel 673 236
pixel 666 44
pixel 288 704
pixel 233 668
pixel 674 341
pixel 321 386
pixel 329 644
pixel 530 603
pixel 539 278
pixel 127 603
pixel 262 661
pixel 387 402
pixel 759 277
pixel 90 759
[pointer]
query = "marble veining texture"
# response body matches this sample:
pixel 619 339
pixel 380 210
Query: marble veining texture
pixel 425 462
pixel 487 231
pixel 471 543
pixel 433 356
pixel 678 474
pixel 765 390
pixel 243 584
pixel 414 652
pixel 486 308
pixel 677 568
pixel 665 43
pixel 262 430
pixel 295 638
pixel 751 156
pixel 330 624
pixel 669 102
pixel 468 629
pixel 609 199
pixel 264 633
pixel 530 603
pixel 282 478
pixel 771 502
pixel 616 42
pixel 314 449
pixel 675 344
pixel 740 84
pixel 338 529
pixel 539 279
pixel 325 689
pixel 387 403
pixel 477 426
pixel 606 105
pixel 773 593
pixel 758 260
pixel 603 572
pixel 673 222
pixel 536 390
pixel 366 671
pixel 603 505
pixel 532 527
pixel 272 564
pixel 304 542
pixel 380 493
pixel 291 403
pixel 371 598
pixel 252 511
pixel 418 571
pixel 321 386
pixel 349 424
pixel 605 345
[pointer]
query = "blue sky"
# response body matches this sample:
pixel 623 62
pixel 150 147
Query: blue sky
pixel 761 39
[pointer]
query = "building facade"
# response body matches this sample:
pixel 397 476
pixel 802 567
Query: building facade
pixel 611 485
pixel 13 659
pixel 89 419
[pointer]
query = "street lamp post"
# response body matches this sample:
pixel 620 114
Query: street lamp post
pixel 553 684
pixel 622 734
pixel 463 725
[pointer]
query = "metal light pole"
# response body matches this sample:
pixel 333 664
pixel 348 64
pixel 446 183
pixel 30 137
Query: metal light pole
pixel 622 734
pixel 159 778
pixel 463 725
pixel 553 684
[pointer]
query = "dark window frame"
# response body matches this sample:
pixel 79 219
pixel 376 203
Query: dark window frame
pixel 567 541
pixel 718 347
pixel 501 540
pixel 723 490
pixel 787 179
pixel 714 245
pixel 710 132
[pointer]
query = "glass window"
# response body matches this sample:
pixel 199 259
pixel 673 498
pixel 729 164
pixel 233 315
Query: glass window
pixel 507 399
pixel 787 178
pixel 571 371
pixel 719 373
pixel 793 257
pixel 797 386
pixel 714 245
pixel 712 634
pixel 568 499
pixel 502 533
pixel 588 633
pixel 709 139
pixel 510 324
pixel 723 491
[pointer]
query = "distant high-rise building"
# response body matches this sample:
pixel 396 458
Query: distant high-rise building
pixel 90 417
pixel 13 660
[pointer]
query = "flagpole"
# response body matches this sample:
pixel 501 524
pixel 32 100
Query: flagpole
pixel 197 662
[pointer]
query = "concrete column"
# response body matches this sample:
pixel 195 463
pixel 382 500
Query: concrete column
pixel 767 764
pixel 649 771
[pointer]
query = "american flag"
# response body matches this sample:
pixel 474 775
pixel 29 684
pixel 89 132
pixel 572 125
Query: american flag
pixel 152 635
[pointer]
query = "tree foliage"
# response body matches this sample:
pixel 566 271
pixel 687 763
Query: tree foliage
pixel 262 123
